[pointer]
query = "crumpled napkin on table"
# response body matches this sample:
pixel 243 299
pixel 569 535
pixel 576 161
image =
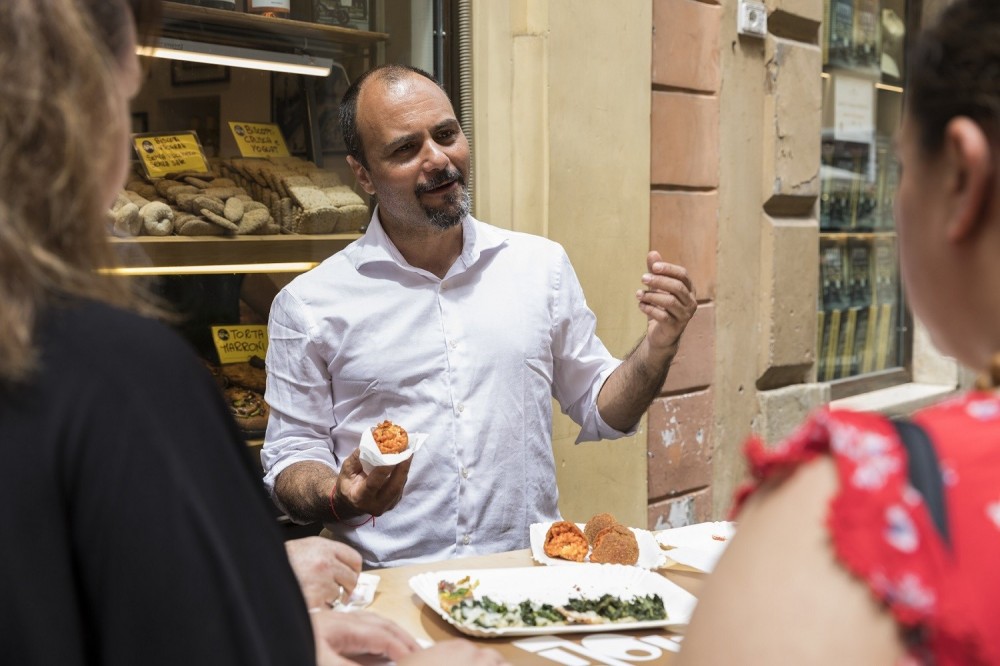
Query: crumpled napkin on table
pixel 697 546
pixel 362 596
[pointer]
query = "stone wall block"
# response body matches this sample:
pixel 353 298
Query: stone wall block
pixel 686 44
pixel 693 366
pixel 781 411
pixel 683 228
pixel 792 125
pixel 679 444
pixel 684 138
pixel 679 511
pixel 789 285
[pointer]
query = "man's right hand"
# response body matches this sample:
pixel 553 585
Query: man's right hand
pixel 374 493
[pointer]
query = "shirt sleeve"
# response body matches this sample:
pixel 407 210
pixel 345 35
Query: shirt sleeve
pixel 581 361
pixel 299 392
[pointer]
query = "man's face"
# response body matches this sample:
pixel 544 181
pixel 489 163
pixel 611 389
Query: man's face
pixel 418 156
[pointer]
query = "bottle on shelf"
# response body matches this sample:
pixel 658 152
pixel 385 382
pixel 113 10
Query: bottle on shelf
pixel 272 8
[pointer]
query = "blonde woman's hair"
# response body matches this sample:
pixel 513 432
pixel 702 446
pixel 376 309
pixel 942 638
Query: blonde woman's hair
pixel 60 135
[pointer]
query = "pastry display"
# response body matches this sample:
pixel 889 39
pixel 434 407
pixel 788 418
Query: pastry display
pixel 248 408
pixel 390 438
pixel 246 375
pixel 277 195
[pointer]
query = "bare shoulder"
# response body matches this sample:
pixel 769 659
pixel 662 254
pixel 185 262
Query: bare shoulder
pixel 778 596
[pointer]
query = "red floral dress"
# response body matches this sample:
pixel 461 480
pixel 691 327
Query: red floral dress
pixel 948 596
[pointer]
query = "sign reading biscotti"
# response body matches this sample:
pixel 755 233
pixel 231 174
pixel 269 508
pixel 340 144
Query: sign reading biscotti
pixel 259 139
pixel 238 342
pixel 164 154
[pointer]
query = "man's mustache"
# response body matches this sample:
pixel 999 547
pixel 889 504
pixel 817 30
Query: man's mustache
pixel 443 178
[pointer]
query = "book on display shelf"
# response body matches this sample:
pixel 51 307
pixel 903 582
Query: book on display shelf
pixel 859 294
pixel 840 37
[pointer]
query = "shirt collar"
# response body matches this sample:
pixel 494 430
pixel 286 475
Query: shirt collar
pixel 477 238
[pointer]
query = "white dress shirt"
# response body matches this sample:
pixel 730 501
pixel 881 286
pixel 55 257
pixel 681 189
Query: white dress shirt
pixel 472 359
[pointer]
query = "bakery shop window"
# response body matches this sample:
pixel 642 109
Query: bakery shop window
pixel 217 228
pixel 863 325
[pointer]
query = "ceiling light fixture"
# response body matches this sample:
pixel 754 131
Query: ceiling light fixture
pixel 234 56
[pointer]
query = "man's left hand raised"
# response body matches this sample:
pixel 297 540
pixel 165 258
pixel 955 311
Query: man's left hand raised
pixel 668 301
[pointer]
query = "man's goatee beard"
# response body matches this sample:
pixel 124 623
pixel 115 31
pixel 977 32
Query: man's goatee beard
pixel 453 212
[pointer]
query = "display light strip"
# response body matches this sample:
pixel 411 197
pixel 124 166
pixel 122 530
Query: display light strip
pixel 215 269
pixel 234 56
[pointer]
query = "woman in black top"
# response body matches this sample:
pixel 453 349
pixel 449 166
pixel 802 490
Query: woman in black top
pixel 134 530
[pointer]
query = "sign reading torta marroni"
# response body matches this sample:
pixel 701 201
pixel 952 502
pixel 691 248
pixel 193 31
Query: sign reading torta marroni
pixel 238 342
pixel 164 154
pixel 259 139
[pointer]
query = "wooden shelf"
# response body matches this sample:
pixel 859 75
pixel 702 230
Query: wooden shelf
pixel 171 252
pixel 232 28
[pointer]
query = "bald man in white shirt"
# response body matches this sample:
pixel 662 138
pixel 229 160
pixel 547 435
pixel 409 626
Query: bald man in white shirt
pixel 447 326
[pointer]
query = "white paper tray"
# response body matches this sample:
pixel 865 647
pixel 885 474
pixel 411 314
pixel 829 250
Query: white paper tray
pixel 554 585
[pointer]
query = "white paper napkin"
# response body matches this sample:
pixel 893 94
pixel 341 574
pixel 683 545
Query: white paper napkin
pixel 696 546
pixel 371 457
pixel 362 596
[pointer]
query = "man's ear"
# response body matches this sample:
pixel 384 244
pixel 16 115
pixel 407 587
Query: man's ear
pixel 361 173
pixel 969 177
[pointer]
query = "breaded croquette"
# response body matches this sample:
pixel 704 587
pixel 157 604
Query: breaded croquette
pixel 565 540
pixel 596 524
pixel 390 438
pixel 615 545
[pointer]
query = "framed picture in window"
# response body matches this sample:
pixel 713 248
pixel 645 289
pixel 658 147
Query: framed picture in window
pixel 289 109
pixel 192 73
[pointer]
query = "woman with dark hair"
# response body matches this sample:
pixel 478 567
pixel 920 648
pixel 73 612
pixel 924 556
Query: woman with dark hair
pixel 869 541
pixel 134 529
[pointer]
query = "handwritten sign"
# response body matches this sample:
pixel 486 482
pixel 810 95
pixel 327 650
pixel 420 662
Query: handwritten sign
pixel 259 139
pixel 238 342
pixel 164 154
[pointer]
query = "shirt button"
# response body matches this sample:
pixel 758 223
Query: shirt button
pixel 465 473
pixel 452 344
pixel 466 539
pixel 461 408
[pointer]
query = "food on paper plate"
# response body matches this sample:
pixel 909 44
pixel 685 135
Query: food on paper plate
pixel 248 408
pixel 455 593
pixel 458 602
pixel 596 524
pixel 390 438
pixel 565 540
pixel 615 544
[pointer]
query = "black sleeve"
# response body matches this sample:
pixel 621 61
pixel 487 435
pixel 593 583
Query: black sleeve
pixel 179 559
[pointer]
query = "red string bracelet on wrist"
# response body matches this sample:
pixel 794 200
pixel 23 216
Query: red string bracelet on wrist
pixel 333 508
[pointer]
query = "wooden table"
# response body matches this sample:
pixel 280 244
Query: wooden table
pixel 395 600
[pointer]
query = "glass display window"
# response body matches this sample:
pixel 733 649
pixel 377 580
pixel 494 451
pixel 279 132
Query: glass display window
pixel 863 339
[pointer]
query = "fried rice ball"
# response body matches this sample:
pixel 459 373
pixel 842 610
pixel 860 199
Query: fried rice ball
pixel 615 545
pixel 596 524
pixel 566 541
pixel 390 437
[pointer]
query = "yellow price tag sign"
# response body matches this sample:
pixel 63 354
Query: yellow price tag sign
pixel 236 343
pixel 164 154
pixel 259 139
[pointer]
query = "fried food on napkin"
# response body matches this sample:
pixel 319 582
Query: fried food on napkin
pixel 615 544
pixel 565 540
pixel 596 524
pixel 390 438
